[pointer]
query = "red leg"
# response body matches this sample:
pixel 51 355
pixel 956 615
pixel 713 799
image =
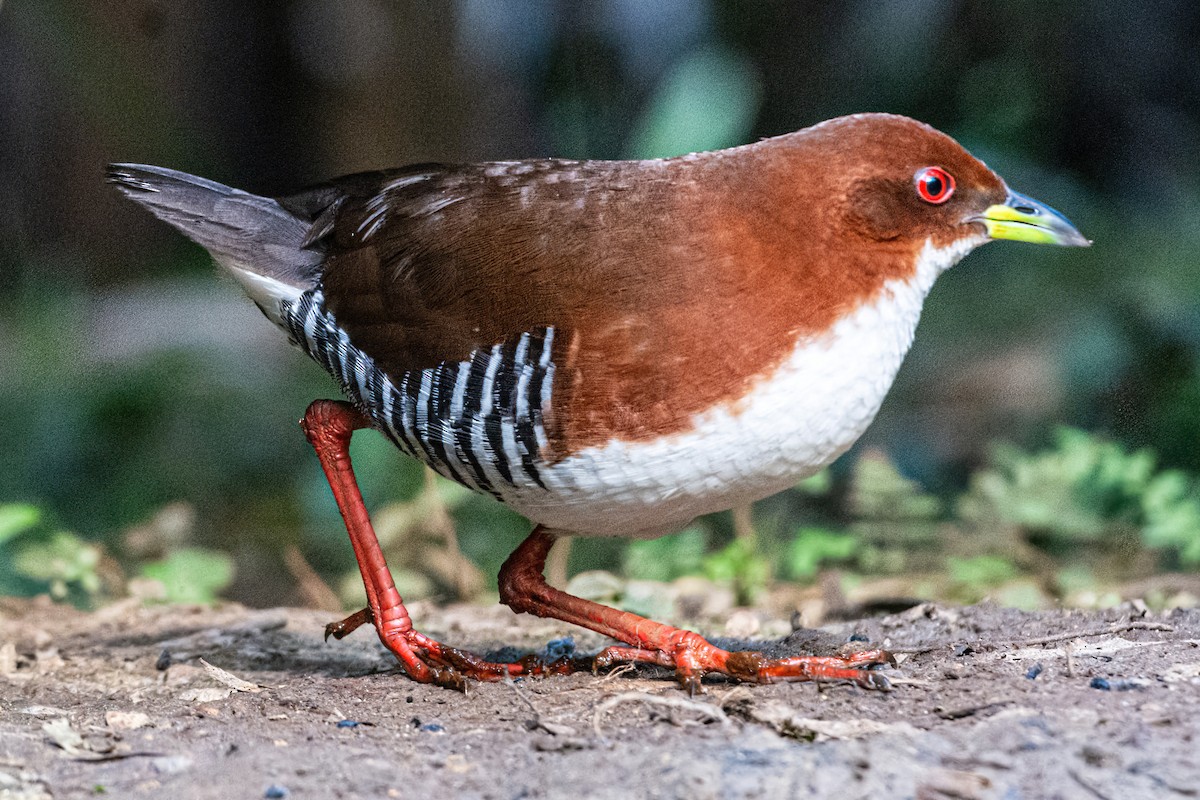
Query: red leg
pixel 523 589
pixel 328 424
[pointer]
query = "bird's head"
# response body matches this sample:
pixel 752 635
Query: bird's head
pixel 900 179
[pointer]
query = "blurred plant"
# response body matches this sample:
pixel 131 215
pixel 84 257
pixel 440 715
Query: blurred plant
pixel 980 570
pixel 1086 490
pixel 37 558
pixel 708 100
pixel 814 548
pixel 420 538
pixel 192 575
pixel 160 552
pixel 894 520
pixel 739 566
pixel 421 534
pixel 667 557
pixel 1029 524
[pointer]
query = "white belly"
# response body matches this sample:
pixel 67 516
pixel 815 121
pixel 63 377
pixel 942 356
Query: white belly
pixel 795 421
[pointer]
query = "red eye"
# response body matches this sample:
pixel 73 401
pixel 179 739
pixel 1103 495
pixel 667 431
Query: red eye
pixel 934 184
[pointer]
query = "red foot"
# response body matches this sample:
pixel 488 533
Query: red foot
pixel 329 424
pixel 523 588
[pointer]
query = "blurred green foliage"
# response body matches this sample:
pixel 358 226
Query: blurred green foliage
pixel 668 557
pixel 1088 490
pixel 1051 517
pixel 39 558
pixel 35 557
pixel 192 575
pixel 814 548
pixel 740 566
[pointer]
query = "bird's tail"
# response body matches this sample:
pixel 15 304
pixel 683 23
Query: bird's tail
pixel 259 241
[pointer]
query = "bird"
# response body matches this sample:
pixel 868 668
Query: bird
pixel 611 348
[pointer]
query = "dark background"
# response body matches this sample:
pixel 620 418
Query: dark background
pixel 133 375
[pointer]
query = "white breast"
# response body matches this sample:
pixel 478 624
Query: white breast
pixel 796 421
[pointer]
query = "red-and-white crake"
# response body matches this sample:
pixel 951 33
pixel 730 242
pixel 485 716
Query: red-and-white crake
pixel 609 347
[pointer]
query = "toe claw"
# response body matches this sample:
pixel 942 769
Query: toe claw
pixel 873 679
pixel 344 627
pixel 449 678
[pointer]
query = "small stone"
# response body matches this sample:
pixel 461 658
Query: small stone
pixel 1034 671
pixel 742 624
pixel 457 763
pixel 560 648
pixel 954 671
pixel 347 723
pixel 8 658
pixel 171 765
pixel 1100 683
pixel 276 792
pixel 126 720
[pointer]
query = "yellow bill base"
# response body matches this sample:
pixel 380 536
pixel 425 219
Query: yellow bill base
pixel 1018 231
pixel 1023 219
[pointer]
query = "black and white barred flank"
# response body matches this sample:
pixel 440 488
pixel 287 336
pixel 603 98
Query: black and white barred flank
pixel 479 422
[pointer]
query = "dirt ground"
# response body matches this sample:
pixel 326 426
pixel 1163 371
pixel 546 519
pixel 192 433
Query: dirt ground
pixel 987 703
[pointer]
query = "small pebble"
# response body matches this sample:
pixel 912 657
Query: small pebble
pixel 1034 671
pixel 859 637
pixel 433 727
pixel 276 792
pixel 164 661
pixel 963 650
pixel 171 765
pixel 347 723
pixel 1116 684
pixel 560 648
pixel 742 624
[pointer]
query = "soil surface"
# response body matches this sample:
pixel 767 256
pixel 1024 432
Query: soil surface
pixel 987 703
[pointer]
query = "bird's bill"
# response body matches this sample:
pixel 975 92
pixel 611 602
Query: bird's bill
pixel 1024 219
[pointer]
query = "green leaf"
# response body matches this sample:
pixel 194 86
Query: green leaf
pixel 980 570
pixel 62 556
pixel 739 565
pixel 878 490
pixel 707 101
pixel 16 518
pixel 192 575
pixel 667 557
pixel 816 485
pixel 814 546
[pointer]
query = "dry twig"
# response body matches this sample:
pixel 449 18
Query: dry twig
pixel 1110 630
pixel 707 710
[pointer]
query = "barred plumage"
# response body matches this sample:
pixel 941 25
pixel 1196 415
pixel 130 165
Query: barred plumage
pixel 479 422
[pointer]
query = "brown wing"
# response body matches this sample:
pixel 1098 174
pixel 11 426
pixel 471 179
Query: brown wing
pixel 429 264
